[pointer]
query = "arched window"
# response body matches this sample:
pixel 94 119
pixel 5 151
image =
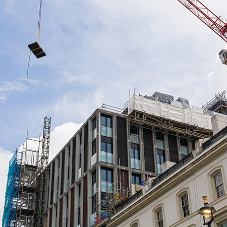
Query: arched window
pixel 135 223
pixel 217 183
pixel 158 216
pixel 183 202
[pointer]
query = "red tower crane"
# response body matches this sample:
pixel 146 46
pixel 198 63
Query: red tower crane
pixel 213 21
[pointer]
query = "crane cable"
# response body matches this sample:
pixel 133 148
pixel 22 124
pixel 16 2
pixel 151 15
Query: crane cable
pixel 38 34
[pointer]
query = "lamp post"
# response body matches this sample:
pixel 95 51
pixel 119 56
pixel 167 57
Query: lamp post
pixel 207 212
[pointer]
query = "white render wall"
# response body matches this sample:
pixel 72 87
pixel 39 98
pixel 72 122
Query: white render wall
pixel 198 185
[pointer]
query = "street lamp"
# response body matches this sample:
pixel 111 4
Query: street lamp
pixel 207 212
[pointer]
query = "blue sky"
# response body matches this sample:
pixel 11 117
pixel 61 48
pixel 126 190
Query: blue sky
pixel 96 51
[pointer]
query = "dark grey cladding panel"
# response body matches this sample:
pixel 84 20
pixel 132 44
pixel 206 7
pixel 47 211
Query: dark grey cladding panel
pixel 85 147
pixel 52 183
pixel 173 150
pixel 122 152
pixel 62 171
pixel 148 150
pixel 73 160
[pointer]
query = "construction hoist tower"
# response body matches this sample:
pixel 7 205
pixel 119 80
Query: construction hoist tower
pixel 39 217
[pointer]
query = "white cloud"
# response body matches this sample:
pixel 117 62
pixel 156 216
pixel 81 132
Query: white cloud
pixel 12 86
pixel 60 136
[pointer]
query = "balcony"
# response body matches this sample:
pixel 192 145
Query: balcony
pixel 94 134
pixel 106 187
pixel 106 157
pixel 134 138
pixel 93 189
pixel 105 131
pixel 93 159
pixel 79 174
pixel 136 163
pixel 92 219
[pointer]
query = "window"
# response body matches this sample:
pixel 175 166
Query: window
pixel 93 191
pixel 184 147
pixel 94 131
pixel 106 126
pixel 219 185
pixel 106 180
pixel 160 145
pixel 135 158
pixel 158 216
pixel 224 225
pixel 80 150
pixel 183 201
pixel 135 223
pixel 185 204
pixel 79 201
pixel 93 149
pixel 106 152
pixel 136 179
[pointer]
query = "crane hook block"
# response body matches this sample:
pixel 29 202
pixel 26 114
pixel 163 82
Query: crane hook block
pixel 223 56
pixel 37 50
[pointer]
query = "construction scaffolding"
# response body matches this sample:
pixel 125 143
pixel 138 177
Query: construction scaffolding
pixel 142 110
pixel 41 184
pixel 11 195
pixel 111 199
pixel 217 104
pixel 26 184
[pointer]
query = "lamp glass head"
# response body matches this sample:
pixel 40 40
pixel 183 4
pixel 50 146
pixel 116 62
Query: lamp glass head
pixel 207 214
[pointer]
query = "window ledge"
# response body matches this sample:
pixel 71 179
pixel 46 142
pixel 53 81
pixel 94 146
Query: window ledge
pixel 184 219
pixel 218 200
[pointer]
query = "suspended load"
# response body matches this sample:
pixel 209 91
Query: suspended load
pixel 37 50
pixel 223 56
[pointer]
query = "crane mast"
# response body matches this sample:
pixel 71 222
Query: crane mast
pixel 213 21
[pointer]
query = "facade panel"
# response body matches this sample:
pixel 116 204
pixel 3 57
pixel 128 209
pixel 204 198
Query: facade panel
pixel 122 152
pixel 85 202
pixel 148 150
pixel 85 147
pixel 173 149
pixel 72 208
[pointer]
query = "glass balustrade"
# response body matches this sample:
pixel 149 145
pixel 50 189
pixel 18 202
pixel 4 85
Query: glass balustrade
pixel 79 174
pixel 136 163
pixel 160 144
pixel 106 157
pixel 105 131
pixel 93 189
pixel 92 219
pixel 134 138
pixel 79 201
pixel 67 185
pixel 94 134
pixel 93 159
pixel 184 150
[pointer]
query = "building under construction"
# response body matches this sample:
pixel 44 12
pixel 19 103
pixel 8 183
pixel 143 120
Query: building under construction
pixel 105 164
